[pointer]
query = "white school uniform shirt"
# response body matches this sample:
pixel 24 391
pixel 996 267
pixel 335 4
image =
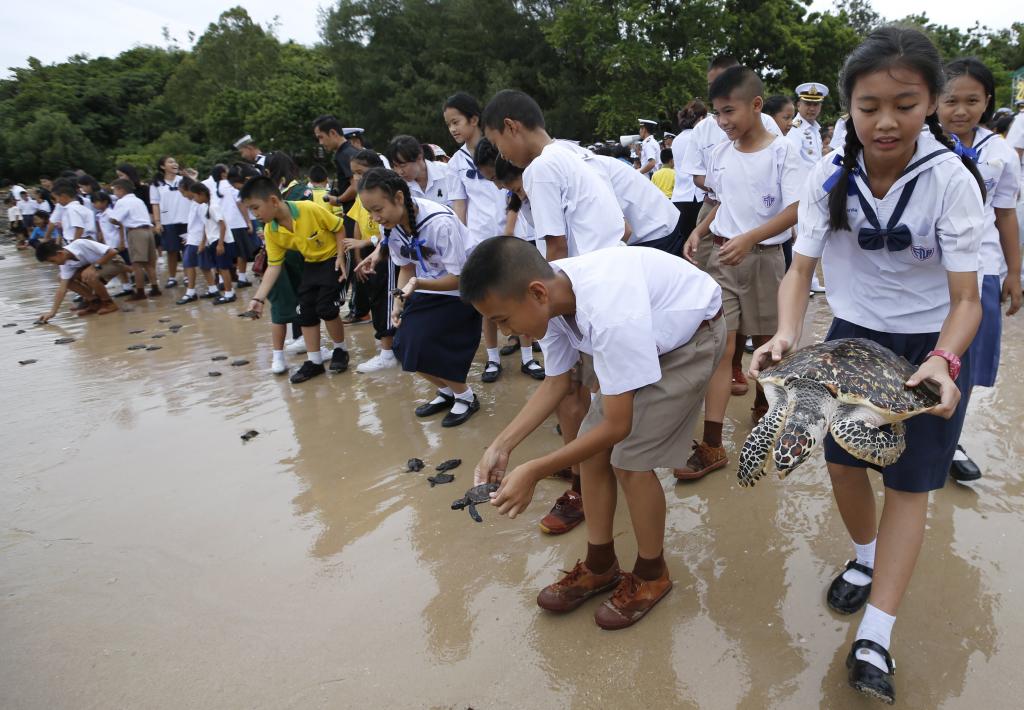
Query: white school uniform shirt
pixel 195 228
pixel 838 135
pixel 17 191
pixel 442 237
pixel 486 203
pixel 227 204
pixel 569 198
pixel 632 306
pixel 684 189
pixel 438 184
pixel 173 207
pixel 75 215
pixel 212 218
pixel 113 237
pixel 806 138
pixel 1000 169
pixel 27 207
pixel 650 214
pixel 86 251
pixel 13 214
pixel 1015 136
pixel 754 187
pixel 706 135
pixel 131 212
pixel 211 185
pixel 44 206
pixel 896 291
pixel 650 150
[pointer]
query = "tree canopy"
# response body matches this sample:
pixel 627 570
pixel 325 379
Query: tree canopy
pixel 387 65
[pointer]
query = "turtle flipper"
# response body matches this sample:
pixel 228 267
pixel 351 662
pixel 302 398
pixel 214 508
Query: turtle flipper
pixel 757 448
pixel 863 439
pixel 812 407
pixel 473 513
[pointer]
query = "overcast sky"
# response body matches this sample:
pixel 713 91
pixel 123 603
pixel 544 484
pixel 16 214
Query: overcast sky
pixel 108 27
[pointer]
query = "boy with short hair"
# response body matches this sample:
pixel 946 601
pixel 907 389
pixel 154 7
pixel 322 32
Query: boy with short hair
pixel 319 236
pixel 77 220
pixel 131 213
pixel 85 267
pixel 112 235
pixel 652 322
pixel 757 177
pixel 665 177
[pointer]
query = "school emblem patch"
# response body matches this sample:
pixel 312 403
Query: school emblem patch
pixel 768 200
pixel 921 253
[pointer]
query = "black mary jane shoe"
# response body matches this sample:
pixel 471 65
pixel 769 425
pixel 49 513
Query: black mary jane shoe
pixel 866 678
pixel 845 597
pixel 964 470
pixel 512 347
pixel 451 420
pixel 492 371
pixel 431 408
pixel 533 369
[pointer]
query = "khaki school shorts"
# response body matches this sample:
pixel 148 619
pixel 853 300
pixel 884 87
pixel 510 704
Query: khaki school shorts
pixel 666 412
pixel 114 267
pixel 750 291
pixel 141 245
pixel 705 244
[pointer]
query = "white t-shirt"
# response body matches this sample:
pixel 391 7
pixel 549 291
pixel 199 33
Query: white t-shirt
pixel 438 184
pixel 1015 136
pixel 896 291
pixel 195 228
pixel 227 204
pixel 485 202
pixel 113 236
pixel 754 187
pixel 806 138
pixel 75 215
pixel 17 191
pixel 13 214
pixel 650 150
pixel 443 240
pixel 86 251
pixel 27 207
pixel 1000 169
pixel 44 206
pixel 211 185
pixel 131 212
pixel 173 207
pixel 570 199
pixel 212 219
pixel 838 135
pixel 650 214
pixel 632 306
pixel 706 135
pixel 684 189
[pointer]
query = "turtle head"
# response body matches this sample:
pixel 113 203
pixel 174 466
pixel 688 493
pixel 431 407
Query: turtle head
pixel 795 444
pixel 756 452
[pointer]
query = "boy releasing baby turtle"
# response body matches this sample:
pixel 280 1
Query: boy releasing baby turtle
pixel 475 495
pixel 850 388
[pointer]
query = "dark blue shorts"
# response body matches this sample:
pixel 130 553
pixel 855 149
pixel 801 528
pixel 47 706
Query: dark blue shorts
pixel 224 261
pixel 124 255
pixel 170 238
pixel 931 441
pixel 246 245
pixel 190 257
pixel 673 242
pixel 986 344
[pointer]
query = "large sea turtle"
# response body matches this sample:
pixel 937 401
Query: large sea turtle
pixel 849 388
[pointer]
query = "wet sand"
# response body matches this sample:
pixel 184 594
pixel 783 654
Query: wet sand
pixel 151 559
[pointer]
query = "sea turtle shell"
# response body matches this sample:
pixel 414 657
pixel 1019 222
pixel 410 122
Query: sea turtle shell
pixel 857 371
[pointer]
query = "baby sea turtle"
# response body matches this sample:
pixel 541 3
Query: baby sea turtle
pixel 19 331
pixel 239 363
pixel 449 464
pixel 439 478
pixel 151 348
pixel 10 325
pixel 213 373
pixel 135 332
pixel 137 346
pixel 251 434
pixel 848 388
pixel 175 327
pixel 165 320
pixel 26 362
pixel 156 336
pixel 63 341
pixel 476 494
pixel 414 465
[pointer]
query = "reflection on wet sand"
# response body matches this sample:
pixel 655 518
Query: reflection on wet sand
pixel 150 558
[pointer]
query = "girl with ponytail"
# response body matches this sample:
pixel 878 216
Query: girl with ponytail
pixel 437 334
pixel 896 217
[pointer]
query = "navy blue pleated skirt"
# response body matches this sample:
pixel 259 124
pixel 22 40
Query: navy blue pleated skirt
pixel 439 336
pixel 986 344
pixel 931 440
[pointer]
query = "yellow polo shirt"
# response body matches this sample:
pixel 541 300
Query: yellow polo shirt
pixel 312 234
pixel 361 216
pixel 665 180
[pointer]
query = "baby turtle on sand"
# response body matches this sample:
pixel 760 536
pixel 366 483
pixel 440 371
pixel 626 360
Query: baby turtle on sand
pixel 476 494
pixel 165 320
pixel 26 362
pixel 157 336
pixel 151 348
pixel 217 358
pixel 251 434
pixel 213 373
pixel 239 363
pixel 19 332
pixel 10 325
pixel 135 332
pixel 63 341
pixel 449 464
pixel 439 478
pixel 414 465
pixel 848 388
pixel 175 327
pixel 137 346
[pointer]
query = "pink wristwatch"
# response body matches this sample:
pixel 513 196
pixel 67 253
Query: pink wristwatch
pixel 953 360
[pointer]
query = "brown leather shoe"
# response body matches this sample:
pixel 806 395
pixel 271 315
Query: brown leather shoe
pixel 739 382
pixel 578 585
pixel 88 309
pixel 566 514
pixel 154 290
pixel 633 598
pixel 106 307
pixel 139 295
pixel 703 461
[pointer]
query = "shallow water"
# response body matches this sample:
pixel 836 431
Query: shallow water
pixel 151 559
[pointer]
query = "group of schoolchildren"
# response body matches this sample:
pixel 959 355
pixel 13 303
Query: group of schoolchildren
pixel 912 215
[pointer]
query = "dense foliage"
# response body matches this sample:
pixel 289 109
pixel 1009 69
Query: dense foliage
pixel 387 65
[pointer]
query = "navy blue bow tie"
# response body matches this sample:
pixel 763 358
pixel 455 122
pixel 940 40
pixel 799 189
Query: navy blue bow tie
pixel 963 151
pixel 897 238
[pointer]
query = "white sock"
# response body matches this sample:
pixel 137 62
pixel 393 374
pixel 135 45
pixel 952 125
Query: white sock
pixel 875 626
pixel 526 354
pixel 211 289
pixel 190 292
pixel 959 455
pixel 462 401
pixel 466 396
pixel 335 346
pixel 315 357
pixel 242 277
pixel 446 391
pixel 494 354
pixel 387 355
pixel 229 294
pixel 866 557
pixel 278 356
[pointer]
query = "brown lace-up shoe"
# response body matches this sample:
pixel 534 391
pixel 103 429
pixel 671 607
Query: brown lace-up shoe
pixel 578 585
pixel 633 598
pixel 566 514
pixel 703 461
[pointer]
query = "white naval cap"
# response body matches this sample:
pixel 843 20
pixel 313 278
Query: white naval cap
pixel 669 134
pixel 647 122
pixel 812 91
pixel 244 140
pixel 349 132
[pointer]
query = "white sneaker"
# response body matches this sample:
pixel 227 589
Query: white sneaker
pixel 279 367
pixel 377 363
pixel 295 347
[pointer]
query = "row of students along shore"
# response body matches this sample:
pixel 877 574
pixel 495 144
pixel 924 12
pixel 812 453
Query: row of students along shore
pixel 912 216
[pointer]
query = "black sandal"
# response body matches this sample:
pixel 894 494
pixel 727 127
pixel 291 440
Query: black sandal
pixel 866 678
pixel 845 597
pixel 512 347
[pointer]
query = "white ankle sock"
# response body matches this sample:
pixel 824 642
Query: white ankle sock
pixel 190 292
pixel 278 355
pixel 446 391
pixel 335 345
pixel 526 354
pixel 316 358
pixel 211 289
pixel 387 355
pixel 866 557
pixel 959 455
pixel 462 401
pixel 875 626
pixel 229 294
pixel 494 354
